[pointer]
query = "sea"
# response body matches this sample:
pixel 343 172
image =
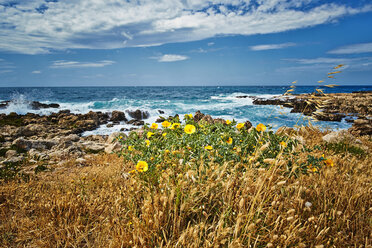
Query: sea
pixel 218 101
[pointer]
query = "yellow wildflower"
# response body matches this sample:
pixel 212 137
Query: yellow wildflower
pixel 130 148
pixel 142 166
pixel 154 126
pixel 261 127
pixel 120 137
pixel 164 134
pixel 166 124
pixel 188 116
pixel 189 129
pixel 228 122
pixel 132 171
pixel 240 125
pixel 314 169
pixel 149 134
pixel 329 162
pixel 229 141
pixel 147 142
pixel 283 144
pixel 208 148
pixel 175 125
pixel 166 151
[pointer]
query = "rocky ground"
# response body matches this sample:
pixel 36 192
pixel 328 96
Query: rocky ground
pixel 354 107
pixel 57 137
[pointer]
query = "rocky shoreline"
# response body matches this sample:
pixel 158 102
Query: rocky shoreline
pixel 355 107
pixel 58 137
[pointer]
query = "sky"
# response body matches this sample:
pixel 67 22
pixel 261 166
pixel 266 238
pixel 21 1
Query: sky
pixel 184 42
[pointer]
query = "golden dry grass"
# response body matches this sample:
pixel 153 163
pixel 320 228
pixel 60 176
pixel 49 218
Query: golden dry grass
pixel 215 206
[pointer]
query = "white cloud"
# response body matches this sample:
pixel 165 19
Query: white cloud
pixel 351 49
pixel 210 43
pixel 272 46
pixel 170 58
pixel 76 64
pixel 36 72
pixel 107 24
pixel 5 71
pixel 322 60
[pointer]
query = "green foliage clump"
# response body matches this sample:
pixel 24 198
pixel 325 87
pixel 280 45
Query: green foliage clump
pixel 193 145
pixel 342 148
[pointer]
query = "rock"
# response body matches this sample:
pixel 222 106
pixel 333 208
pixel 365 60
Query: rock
pixel 110 125
pixel 340 136
pixel 35 105
pixel 161 111
pixel 329 117
pixel 71 138
pixel 10 153
pixel 26 145
pixel 138 114
pixel 81 161
pixel 198 116
pixel 361 126
pixel 13 160
pixel 93 147
pixel 114 147
pixel 247 125
pixel 160 119
pixel 207 119
pixel 124 129
pixel 136 122
pixel 118 116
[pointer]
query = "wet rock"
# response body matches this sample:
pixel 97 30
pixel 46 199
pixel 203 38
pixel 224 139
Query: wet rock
pixel 136 122
pixel 138 114
pixel 109 125
pixel 118 116
pixel 161 111
pixel 34 105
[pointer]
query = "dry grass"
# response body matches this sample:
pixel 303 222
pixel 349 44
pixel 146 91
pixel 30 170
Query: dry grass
pixel 214 206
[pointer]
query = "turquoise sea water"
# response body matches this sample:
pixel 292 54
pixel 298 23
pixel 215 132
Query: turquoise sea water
pixel 217 101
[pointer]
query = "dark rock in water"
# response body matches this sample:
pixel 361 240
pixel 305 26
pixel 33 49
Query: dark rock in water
pixel 242 96
pixel 138 114
pixel 35 105
pixel 118 116
pixel 38 105
pixel 161 111
pixel 349 120
pixel 124 129
pixel 160 119
pixel 110 125
pixel 136 122
pixel 362 91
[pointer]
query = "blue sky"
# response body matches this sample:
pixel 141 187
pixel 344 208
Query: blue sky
pixel 183 42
